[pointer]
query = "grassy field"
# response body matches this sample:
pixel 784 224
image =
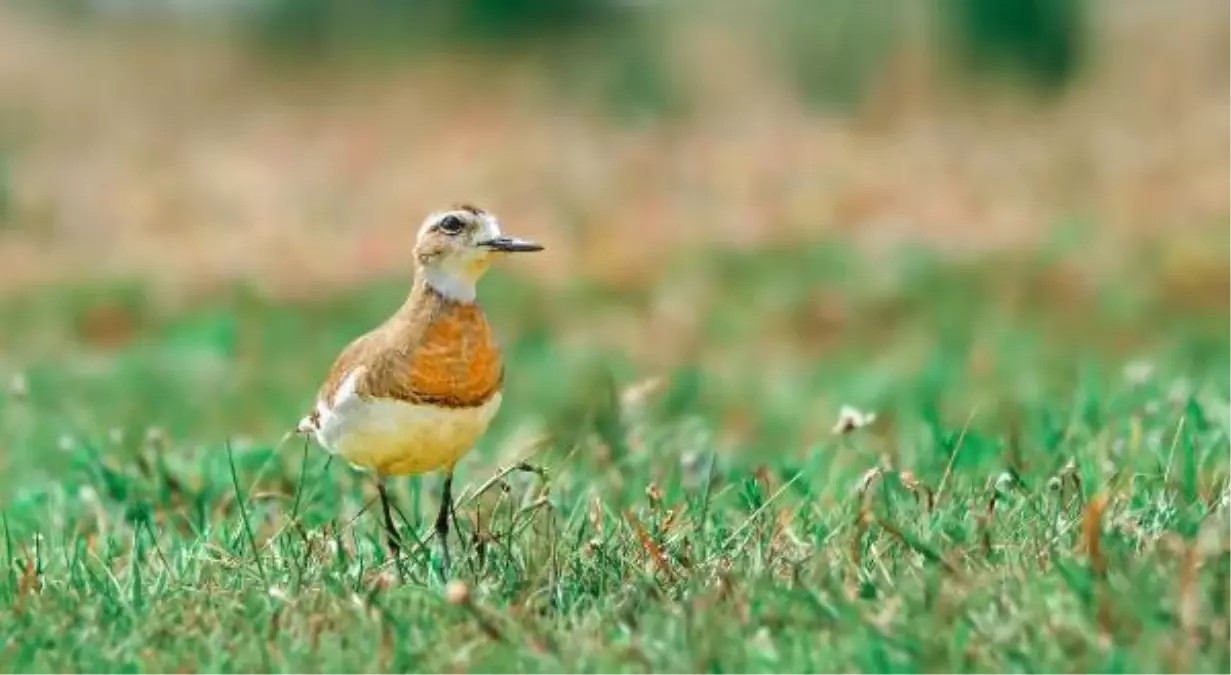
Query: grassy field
pixel 1044 486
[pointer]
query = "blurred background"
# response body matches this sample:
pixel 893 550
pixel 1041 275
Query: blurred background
pixel 297 144
pixel 1000 226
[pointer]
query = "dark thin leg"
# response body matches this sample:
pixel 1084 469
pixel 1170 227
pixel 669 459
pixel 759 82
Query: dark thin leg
pixel 391 530
pixel 442 522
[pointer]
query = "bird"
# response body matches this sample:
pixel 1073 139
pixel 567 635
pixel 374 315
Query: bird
pixel 415 394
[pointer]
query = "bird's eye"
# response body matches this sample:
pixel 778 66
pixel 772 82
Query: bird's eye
pixel 451 225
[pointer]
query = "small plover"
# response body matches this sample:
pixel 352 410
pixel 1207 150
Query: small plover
pixel 416 393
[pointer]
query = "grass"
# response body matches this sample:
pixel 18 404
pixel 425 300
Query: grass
pixel 1045 486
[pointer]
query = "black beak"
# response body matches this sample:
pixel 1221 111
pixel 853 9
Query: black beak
pixel 511 245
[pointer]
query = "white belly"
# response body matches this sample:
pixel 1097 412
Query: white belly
pixel 395 438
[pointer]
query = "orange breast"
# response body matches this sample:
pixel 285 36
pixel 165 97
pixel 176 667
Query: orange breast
pixel 458 361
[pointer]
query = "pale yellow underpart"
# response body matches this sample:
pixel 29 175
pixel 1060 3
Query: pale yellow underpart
pixel 395 438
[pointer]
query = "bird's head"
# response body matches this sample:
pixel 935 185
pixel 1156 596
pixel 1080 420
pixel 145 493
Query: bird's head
pixel 456 247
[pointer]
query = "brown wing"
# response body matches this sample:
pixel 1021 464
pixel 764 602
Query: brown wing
pixel 359 352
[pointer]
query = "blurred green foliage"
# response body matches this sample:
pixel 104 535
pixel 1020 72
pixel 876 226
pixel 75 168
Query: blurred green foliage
pixel 590 48
pixel 321 27
pixel 833 49
pixel 1040 41
pixel 625 74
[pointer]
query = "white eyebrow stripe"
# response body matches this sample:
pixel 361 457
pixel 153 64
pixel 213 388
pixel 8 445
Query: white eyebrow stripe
pixel 432 218
pixel 492 226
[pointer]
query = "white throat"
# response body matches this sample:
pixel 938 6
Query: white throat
pixel 450 283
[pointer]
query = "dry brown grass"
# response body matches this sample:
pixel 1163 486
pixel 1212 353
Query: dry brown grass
pixel 185 162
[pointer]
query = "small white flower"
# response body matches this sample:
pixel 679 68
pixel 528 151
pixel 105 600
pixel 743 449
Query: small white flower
pixel 1138 372
pixel 693 467
pixel 19 387
pixel 851 418
pixel 763 642
pixel 636 395
pixel 278 593
pixel 156 437
pixel 457 593
pixel 1179 391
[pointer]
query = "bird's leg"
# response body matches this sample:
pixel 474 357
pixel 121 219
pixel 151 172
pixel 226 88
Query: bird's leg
pixel 442 522
pixel 395 547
